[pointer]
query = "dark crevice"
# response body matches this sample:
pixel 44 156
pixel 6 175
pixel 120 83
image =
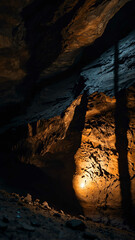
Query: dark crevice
pixel 117 28
pixel 121 128
pixel 40 39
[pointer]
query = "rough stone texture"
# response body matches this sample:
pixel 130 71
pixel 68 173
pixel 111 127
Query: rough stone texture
pixel 28 52
pixel 88 23
pixel 38 223
pixel 86 134
pixel 78 150
pixel 97 76
pixel 97 181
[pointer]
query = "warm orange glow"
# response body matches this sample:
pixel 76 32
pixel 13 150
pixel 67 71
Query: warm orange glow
pixel 96 181
pixel 82 185
pixel 91 181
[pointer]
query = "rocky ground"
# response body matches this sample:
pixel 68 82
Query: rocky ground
pixel 22 218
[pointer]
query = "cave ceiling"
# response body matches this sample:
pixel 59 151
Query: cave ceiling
pixel 41 39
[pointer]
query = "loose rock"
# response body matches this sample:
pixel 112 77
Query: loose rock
pixel 28 198
pixel 76 224
pixel 27 227
pixel 45 205
pixel 35 222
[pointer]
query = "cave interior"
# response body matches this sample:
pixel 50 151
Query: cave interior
pixel 67 125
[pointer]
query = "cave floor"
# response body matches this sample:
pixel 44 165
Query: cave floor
pixel 22 218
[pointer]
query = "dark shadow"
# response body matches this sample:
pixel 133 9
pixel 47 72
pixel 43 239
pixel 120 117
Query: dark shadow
pixel 121 128
pixel 43 50
pixel 117 28
pixel 64 153
pixel 43 38
pixel 52 183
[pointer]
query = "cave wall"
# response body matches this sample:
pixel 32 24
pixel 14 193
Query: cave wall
pixel 79 150
pixel 41 39
pixel 98 178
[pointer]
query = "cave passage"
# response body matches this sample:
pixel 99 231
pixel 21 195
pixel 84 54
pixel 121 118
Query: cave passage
pixel 121 128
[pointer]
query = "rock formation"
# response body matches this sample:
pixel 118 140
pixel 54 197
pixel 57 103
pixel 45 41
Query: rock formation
pixel 80 147
pixel 71 130
pixel 39 39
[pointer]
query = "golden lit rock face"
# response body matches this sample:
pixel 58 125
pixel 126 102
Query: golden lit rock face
pixel 88 24
pixel 97 183
pixel 78 151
